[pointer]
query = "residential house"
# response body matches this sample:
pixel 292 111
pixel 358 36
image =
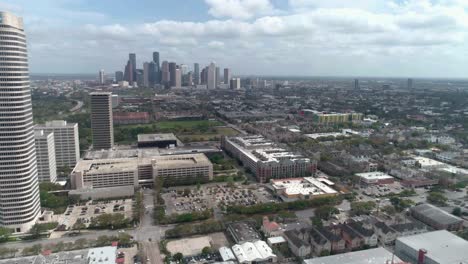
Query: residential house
pixel 299 247
pixel 369 236
pixel 385 234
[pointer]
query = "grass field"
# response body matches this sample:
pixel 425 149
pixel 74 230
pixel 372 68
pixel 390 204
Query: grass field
pixel 220 131
pixel 187 131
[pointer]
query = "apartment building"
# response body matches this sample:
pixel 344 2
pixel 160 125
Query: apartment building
pixel 67 143
pixel 45 155
pixel 266 160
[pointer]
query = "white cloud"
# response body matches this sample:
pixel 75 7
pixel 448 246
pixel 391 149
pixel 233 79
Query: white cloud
pixel 401 37
pixel 216 44
pixel 238 9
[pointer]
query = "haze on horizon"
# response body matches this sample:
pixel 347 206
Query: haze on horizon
pixel 416 38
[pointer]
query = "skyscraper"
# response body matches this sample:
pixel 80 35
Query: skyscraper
pixel 101 120
pixel 235 83
pixel 66 140
pixel 19 199
pixel 196 73
pixel 153 74
pixel 211 76
pixel 218 77
pixel 410 84
pixel 45 152
pixel 172 74
pixel 356 84
pixel 178 78
pixel 146 74
pixel 165 75
pixel 156 58
pixel 119 76
pixel 129 75
pixel 227 75
pixel 102 77
pixel 132 59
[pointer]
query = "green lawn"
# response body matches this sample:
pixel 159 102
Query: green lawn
pixel 190 128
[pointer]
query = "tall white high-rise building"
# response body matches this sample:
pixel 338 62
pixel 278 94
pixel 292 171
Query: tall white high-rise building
pixel 102 125
pixel 45 152
pixel 19 190
pixel 67 142
pixel 102 77
pixel 211 76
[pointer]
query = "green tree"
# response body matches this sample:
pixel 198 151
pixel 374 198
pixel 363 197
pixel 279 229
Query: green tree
pixel 457 211
pixel 401 204
pixel 178 256
pixel 362 208
pixel 317 222
pixel 207 250
pixel 326 212
pixel 81 243
pixel 5 234
pixel 437 198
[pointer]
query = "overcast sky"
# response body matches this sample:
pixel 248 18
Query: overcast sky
pixel 406 38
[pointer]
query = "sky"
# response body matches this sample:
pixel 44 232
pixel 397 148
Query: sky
pixel 394 38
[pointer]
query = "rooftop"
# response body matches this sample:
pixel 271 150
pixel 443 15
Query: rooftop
pixel 369 256
pixel 253 251
pixel 303 186
pixel 376 175
pixel 436 214
pixel 156 137
pixel 442 246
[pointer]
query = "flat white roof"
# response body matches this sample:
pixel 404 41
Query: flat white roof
pixel 369 256
pixel 276 240
pixel 442 246
pixel 376 175
pixel 304 186
pixel 102 255
pixel 427 162
pixel 256 251
pixel 226 254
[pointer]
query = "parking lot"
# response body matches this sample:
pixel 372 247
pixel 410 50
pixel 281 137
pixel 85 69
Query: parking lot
pixel 92 209
pixel 381 190
pixel 182 200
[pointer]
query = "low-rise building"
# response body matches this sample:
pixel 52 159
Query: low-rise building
pixel 409 228
pixel 320 117
pixel 119 172
pixel 385 234
pixel 436 217
pixel 254 252
pixel 303 188
pixel 130 118
pixel 157 140
pixel 266 160
pixel 300 247
pixel 437 247
pixel 375 255
pixel 243 231
pixel 375 177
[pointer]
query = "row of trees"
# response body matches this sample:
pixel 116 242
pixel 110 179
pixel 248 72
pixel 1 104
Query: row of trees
pixel 163 219
pixel 122 239
pixel 185 230
pixel 109 221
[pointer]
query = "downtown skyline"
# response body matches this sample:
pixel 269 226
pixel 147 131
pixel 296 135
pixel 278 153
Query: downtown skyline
pixel 388 38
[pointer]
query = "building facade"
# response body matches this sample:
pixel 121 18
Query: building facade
pixel 19 190
pixel 45 152
pixel 266 160
pixel 66 140
pixel 101 120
